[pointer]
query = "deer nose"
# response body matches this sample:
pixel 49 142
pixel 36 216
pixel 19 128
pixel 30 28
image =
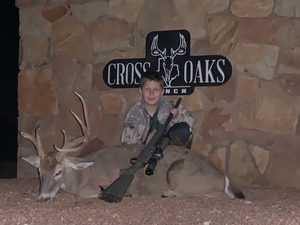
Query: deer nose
pixel 44 197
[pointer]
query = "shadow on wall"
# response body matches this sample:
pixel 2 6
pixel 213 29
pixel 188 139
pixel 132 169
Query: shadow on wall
pixel 9 43
pixel 8 142
pixel 8 146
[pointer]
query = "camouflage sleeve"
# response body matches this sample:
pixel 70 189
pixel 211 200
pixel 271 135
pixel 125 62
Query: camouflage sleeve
pixel 185 116
pixel 129 127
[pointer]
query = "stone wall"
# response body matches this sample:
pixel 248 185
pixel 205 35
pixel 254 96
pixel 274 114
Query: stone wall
pixel 249 126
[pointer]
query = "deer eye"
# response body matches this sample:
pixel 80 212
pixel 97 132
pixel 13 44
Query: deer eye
pixel 58 173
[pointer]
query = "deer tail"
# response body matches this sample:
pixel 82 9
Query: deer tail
pixel 232 192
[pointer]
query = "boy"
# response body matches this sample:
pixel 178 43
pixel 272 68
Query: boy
pixel 153 109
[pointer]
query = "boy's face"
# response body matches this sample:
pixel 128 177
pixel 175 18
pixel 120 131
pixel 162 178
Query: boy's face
pixel 151 92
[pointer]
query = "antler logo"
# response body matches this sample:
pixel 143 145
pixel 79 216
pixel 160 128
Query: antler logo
pixel 171 69
pixel 169 52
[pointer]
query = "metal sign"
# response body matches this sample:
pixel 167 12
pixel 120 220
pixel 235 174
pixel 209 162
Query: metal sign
pixel 169 52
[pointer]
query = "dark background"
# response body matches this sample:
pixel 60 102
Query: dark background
pixel 9 22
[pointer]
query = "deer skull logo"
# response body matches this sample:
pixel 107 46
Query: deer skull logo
pixel 168 51
pixel 171 70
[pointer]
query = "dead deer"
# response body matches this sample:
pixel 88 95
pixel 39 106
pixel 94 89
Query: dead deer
pixel 182 172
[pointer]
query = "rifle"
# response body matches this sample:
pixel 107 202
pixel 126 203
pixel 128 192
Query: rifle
pixel 117 189
pixel 157 156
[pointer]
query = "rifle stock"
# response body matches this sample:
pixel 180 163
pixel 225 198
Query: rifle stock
pixel 116 190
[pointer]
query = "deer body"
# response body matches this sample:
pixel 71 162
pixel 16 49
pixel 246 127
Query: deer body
pixel 181 172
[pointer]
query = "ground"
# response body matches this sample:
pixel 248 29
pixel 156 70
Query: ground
pixel 18 205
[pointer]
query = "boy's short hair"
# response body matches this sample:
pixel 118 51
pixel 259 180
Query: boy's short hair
pixel 152 75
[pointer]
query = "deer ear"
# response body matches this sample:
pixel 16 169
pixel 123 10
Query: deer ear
pixel 33 160
pixel 77 163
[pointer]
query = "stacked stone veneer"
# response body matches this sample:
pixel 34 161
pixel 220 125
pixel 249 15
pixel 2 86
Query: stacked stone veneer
pixel 248 126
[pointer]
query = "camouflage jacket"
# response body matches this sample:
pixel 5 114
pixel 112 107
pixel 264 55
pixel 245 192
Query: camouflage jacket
pixel 136 123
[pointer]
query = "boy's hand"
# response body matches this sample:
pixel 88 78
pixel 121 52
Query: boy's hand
pixel 174 112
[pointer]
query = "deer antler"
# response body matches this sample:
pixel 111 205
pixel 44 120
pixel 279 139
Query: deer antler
pixel 77 143
pixel 155 51
pixel 36 141
pixel 181 49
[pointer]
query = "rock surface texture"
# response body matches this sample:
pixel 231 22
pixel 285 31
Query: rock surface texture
pixel 249 126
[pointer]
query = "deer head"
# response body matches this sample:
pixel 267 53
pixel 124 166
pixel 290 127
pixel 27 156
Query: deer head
pixel 53 167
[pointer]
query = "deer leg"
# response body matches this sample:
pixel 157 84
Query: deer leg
pixel 173 180
pixel 213 194
pixel 89 192
pixel 170 193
